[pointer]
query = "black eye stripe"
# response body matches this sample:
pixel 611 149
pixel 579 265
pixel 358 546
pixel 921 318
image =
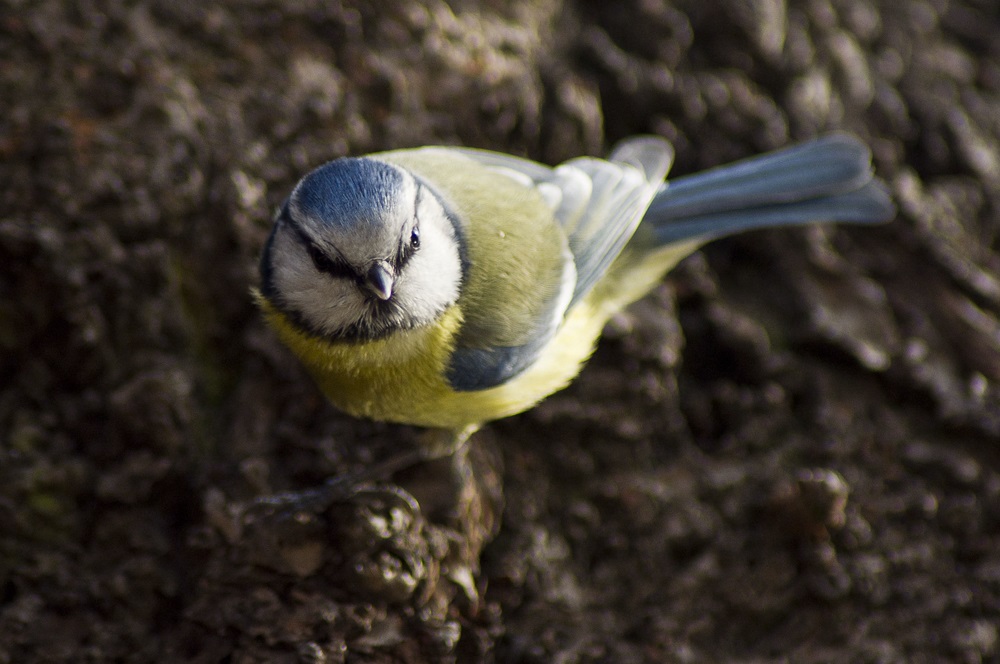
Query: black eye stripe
pixel 410 243
pixel 335 267
pixel 330 266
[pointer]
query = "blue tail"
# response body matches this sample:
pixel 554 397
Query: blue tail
pixel 828 179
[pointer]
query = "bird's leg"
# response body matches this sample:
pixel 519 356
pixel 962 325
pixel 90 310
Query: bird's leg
pixel 440 443
pixel 434 445
pixel 458 486
pixel 440 472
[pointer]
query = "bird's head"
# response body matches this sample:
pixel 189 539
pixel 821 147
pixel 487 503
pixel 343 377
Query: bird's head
pixel 362 248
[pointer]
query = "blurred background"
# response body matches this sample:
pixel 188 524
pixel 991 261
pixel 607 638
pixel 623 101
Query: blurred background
pixel 789 452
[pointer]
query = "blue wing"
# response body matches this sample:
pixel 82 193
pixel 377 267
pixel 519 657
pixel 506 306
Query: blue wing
pixel 598 204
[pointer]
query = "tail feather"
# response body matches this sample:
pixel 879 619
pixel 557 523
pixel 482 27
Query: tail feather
pixel 828 179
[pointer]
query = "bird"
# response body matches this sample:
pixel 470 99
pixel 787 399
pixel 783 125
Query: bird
pixel 447 287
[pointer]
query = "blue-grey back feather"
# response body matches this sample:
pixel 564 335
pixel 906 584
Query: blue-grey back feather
pixel 472 368
pixel 623 187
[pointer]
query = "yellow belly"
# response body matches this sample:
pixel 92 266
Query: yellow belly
pixel 402 378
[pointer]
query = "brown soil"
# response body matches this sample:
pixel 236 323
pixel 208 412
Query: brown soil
pixel 789 452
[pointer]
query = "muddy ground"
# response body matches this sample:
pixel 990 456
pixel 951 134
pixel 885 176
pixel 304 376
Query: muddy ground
pixel 789 453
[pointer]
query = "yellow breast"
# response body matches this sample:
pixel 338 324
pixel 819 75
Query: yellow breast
pixel 401 378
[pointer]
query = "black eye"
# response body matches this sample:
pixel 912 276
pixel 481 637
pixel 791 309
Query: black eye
pixel 415 238
pixel 319 259
pixel 326 264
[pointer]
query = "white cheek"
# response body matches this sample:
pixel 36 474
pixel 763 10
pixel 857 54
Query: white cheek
pixel 327 304
pixel 430 282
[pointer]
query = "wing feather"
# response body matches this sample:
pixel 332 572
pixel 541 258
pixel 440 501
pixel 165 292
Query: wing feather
pixel 598 204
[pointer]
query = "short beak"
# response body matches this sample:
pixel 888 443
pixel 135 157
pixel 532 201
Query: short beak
pixel 380 280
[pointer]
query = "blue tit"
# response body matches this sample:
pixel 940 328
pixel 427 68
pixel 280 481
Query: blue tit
pixel 446 287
